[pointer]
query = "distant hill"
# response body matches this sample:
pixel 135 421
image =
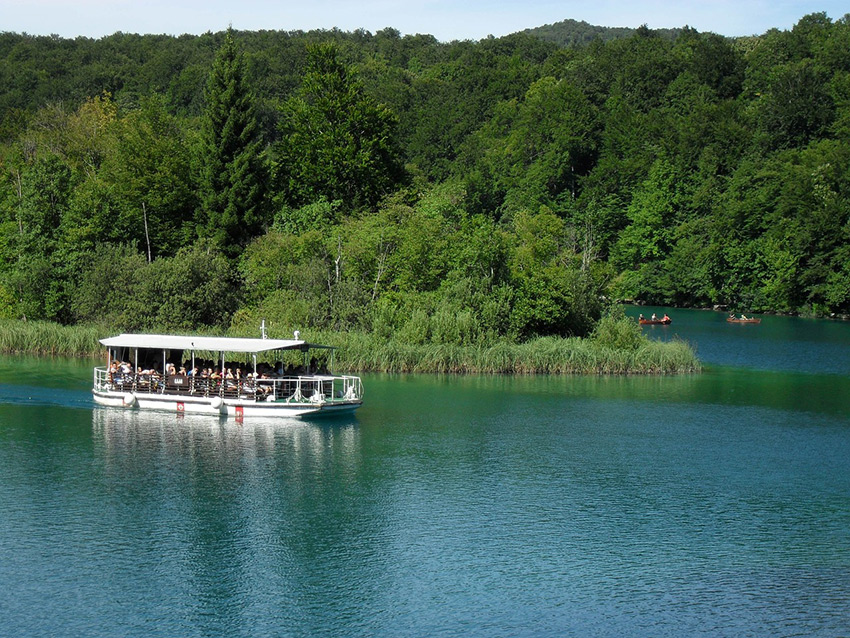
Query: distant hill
pixel 572 33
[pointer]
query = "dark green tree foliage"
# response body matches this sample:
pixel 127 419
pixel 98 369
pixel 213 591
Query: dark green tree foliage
pixel 192 289
pixel 337 143
pixel 150 171
pixel 460 92
pixel 231 162
pixel 574 33
pixel 535 151
pixel 690 170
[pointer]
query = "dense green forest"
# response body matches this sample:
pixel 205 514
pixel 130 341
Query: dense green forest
pixel 458 193
pixel 574 33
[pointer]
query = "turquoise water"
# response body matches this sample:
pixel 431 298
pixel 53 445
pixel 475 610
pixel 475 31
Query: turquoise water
pixel 709 505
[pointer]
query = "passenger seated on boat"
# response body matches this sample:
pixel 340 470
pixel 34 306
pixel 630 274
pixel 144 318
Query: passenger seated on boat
pixel 143 378
pixel 247 387
pixel 743 316
pixel 264 384
pixel 654 317
pixel 199 384
pixel 666 318
pixel 229 380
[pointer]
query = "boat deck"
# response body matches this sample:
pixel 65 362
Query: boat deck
pixel 315 390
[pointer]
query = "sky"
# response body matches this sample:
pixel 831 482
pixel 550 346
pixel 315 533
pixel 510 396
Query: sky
pixel 446 20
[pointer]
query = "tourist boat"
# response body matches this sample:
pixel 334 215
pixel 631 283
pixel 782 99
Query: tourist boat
pixel 156 375
pixel 655 322
pixel 739 320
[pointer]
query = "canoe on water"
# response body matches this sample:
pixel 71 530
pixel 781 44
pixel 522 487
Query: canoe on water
pixel 737 320
pixel 655 322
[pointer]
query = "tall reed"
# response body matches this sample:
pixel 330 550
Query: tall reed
pixel 358 352
pixel 47 338
pixel 362 352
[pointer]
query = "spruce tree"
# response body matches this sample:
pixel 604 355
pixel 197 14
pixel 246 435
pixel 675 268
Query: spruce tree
pixel 232 164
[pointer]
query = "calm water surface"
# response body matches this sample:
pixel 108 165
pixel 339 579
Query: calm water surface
pixel 708 505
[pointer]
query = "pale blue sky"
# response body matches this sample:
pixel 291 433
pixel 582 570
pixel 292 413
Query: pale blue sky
pixel 446 20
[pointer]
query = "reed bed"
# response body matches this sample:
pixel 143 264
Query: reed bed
pixel 546 355
pixel 361 352
pixel 47 338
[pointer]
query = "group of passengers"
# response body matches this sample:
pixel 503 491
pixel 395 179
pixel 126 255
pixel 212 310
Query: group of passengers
pixel 231 370
pixel 205 376
pixel 266 381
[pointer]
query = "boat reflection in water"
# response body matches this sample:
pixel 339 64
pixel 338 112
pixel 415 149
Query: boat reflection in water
pixel 134 437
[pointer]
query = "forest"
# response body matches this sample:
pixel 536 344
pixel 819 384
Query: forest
pixel 451 193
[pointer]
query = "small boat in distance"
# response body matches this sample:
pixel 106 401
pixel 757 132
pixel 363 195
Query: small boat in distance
pixel 742 319
pixel 221 376
pixel 655 321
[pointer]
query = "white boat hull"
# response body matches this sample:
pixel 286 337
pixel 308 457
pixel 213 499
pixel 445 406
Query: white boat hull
pixel 218 406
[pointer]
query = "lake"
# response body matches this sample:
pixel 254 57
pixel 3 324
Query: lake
pixel 715 504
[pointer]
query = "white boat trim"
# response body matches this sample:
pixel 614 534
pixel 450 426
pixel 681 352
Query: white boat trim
pixel 206 344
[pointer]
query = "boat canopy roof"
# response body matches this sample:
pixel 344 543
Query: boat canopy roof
pixel 209 344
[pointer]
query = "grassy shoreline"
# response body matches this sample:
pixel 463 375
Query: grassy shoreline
pixel 359 352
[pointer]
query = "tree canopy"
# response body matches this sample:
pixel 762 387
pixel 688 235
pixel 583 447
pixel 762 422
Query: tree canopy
pixel 459 192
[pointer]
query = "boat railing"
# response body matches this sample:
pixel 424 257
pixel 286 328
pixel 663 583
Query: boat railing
pixel 295 389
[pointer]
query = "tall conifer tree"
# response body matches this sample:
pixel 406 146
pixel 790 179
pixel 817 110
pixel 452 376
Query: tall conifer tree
pixel 233 172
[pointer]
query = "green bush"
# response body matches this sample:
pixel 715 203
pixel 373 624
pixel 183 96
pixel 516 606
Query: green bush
pixel 618 332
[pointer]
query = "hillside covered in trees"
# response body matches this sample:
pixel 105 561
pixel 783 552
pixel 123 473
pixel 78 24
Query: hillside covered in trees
pixel 575 33
pixel 460 192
